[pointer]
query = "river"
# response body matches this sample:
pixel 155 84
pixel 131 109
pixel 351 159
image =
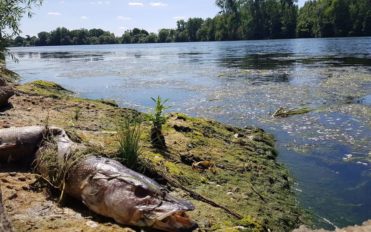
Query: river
pixel 328 150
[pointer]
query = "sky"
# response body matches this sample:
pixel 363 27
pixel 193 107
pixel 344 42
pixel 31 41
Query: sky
pixel 116 16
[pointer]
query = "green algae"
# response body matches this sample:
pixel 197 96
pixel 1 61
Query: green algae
pixel 45 88
pixel 247 181
pixel 284 113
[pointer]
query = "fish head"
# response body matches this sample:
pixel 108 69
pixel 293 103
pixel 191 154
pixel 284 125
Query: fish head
pixel 163 211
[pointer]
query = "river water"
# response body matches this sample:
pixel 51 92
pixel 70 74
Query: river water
pixel 328 150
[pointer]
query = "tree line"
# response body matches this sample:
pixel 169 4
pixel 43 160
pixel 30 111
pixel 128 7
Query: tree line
pixel 237 20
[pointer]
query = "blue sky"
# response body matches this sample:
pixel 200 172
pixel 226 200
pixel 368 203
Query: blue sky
pixel 116 15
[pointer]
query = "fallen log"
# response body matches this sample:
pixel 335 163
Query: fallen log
pixel 5 93
pixel 104 185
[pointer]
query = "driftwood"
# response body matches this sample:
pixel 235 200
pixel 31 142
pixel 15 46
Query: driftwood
pixel 104 185
pixel 5 225
pixel 5 93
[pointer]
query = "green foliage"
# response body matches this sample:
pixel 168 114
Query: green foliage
pixel 11 12
pixel 138 36
pixel 327 18
pixel 237 20
pixel 158 119
pixel 128 138
pixel 251 223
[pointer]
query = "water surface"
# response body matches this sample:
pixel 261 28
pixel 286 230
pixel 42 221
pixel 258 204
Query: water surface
pixel 243 83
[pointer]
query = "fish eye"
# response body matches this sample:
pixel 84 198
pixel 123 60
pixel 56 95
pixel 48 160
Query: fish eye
pixel 141 192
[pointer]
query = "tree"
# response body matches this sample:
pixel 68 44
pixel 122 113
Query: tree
pixel 193 25
pixel 307 20
pixel 11 12
pixel 163 35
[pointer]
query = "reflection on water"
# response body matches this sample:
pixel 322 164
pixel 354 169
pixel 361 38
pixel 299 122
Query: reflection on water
pixel 243 83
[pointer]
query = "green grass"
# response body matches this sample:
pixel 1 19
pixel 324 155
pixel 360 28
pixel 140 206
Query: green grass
pixel 128 138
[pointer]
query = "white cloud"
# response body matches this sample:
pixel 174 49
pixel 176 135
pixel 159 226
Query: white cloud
pixel 157 4
pixel 135 4
pixel 84 17
pixel 123 18
pixel 179 17
pixel 100 2
pixel 54 13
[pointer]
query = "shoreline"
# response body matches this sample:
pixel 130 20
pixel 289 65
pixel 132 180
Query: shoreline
pixel 248 156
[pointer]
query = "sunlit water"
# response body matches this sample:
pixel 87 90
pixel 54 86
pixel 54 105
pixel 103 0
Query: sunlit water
pixel 243 83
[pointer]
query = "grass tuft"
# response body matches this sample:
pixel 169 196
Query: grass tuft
pixel 128 138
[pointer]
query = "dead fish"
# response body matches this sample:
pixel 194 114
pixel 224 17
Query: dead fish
pixel 20 144
pixel 110 189
pixel 5 93
pixel 104 185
